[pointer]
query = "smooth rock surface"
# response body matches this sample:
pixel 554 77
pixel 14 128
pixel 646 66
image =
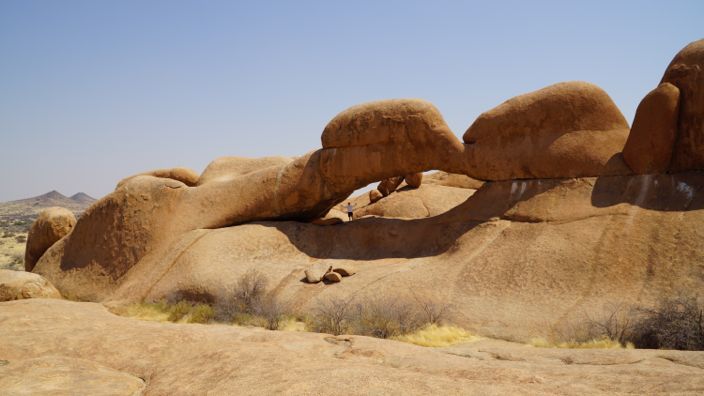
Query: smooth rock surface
pixel 686 72
pixel 51 225
pixel 652 138
pixel 220 359
pixel 570 129
pixel 413 180
pixel 17 285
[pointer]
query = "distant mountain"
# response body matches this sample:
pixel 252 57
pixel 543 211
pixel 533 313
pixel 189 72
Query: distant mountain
pixel 83 198
pixel 24 211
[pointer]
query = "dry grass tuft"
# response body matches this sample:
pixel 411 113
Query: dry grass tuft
pixel 598 343
pixel 434 335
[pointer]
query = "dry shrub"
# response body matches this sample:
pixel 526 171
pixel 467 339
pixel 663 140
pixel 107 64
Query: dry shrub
pixel 272 310
pixel 676 323
pixel 432 309
pixel 614 324
pixel 178 311
pixel 333 316
pixel 433 335
pixel 201 313
pixel 249 291
pixel 385 317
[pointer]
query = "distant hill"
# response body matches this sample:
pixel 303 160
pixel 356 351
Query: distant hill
pixel 19 214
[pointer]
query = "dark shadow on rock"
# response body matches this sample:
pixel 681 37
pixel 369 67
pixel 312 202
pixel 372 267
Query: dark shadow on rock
pixel 379 238
pixel 664 192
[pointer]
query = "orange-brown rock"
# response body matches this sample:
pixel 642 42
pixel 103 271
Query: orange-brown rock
pixel 387 186
pixel 345 269
pixel 332 277
pixel 136 225
pixel 226 168
pixel 414 180
pixel 316 272
pixel 375 195
pixel 452 180
pixel 100 352
pixel 686 72
pixel 51 225
pixel 570 129
pixel 184 175
pixel 650 143
pixel 327 221
pixel 17 285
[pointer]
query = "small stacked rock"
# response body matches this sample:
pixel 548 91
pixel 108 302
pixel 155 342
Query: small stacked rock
pixel 321 272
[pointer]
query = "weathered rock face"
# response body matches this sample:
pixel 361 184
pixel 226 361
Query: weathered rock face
pixel 686 72
pixel 226 168
pixel 650 143
pixel 413 180
pixel 570 129
pixel 387 186
pixel 17 285
pixel 51 225
pixel 375 195
pixel 452 180
pixel 317 272
pixel 87 361
pixel 184 175
pixel 332 277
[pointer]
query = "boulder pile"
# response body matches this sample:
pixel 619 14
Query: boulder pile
pixel 328 274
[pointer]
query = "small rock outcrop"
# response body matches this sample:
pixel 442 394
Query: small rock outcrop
pixel 414 180
pixel 375 195
pixel 649 145
pixel 317 272
pixel 570 129
pixel 387 186
pixel 332 277
pixel 51 225
pixel 686 72
pixel 345 270
pixel 18 285
pixel 185 175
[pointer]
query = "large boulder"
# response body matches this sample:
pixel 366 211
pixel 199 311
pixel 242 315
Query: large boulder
pixel 570 129
pixel 387 186
pixel 649 145
pixel 17 285
pixel 51 225
pixel 686 72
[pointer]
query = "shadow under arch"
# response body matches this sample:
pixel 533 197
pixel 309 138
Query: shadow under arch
pixel 661 192
pixel 376 238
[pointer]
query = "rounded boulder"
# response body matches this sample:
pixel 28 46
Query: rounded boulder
pixel 650 143
pixel 51 225
pixel 686 72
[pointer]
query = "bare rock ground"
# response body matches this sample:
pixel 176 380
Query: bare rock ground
pixel 100 353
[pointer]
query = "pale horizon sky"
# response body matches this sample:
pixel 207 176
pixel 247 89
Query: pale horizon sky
pixel 93 91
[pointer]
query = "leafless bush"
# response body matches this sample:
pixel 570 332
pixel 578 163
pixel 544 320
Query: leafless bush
pixel 432 310
pixel 249 291
pixel 616 324
pixel 272 310
pixel 386 316
pixel 676 323
pixel 333 316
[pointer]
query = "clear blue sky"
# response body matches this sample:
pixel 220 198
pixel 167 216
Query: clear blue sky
pixel 92 91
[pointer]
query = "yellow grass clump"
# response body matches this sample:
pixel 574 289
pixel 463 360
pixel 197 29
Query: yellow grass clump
pixel 162 311
pixel 600 343
pixel 438 336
